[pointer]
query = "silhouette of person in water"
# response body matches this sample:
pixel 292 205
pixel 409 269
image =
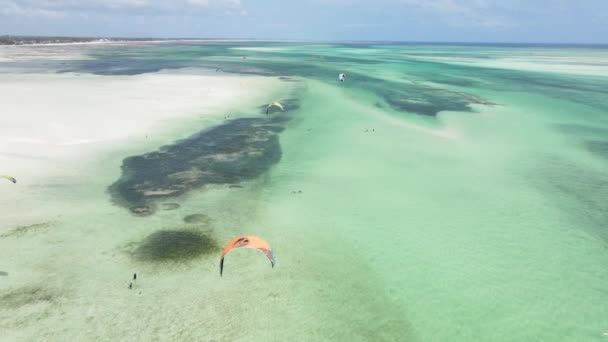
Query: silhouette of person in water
pixel 130 286
pixel 134 276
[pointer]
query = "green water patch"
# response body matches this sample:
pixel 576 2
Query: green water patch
pixel 585 90
pixel 358 61
pixel 175 246
pixel 3 274
pixel 407 97
pixel 233 152
pixel 410 97
pixel 291 62
pixel 297 62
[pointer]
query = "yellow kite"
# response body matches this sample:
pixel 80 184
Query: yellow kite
pixel 12 179
pixel 275 104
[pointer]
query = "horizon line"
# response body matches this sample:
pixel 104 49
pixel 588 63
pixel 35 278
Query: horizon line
pixel 377 41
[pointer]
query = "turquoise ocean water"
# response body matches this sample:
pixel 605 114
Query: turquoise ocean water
pixel 441 193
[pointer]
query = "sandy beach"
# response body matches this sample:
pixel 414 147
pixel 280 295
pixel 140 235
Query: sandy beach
pixel 50 120
pixel 51 123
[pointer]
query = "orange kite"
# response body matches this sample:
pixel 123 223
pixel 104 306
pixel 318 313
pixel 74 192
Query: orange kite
pixel 247 241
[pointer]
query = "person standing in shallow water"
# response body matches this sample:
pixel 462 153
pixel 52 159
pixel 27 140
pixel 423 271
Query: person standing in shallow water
pixel 134 276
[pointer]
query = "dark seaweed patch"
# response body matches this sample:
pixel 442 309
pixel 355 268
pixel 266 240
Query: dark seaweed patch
pixel 233 152
pixel 578 191
pixel 430 101
pixel 175 245
pixel 599 148
pixel 143 210
pixel 170 206
pixel 4 274
pixel 583 130
pixel 579 89
pixel 197 218
pixel 23 230
pixel 288 79
pixel 454 81
pixel 297 62
pixel 25 296
pixel 289 66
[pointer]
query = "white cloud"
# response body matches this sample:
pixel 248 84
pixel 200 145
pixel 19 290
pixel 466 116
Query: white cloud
pixel 57 8
pixel 233 4
pixel 203 3
pixel 10 8
pixel 461 13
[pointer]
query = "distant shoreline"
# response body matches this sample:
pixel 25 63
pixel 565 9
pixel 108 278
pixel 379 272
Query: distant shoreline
pixel 6 40
pixel 62 40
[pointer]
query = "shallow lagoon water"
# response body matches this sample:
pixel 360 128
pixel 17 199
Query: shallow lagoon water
pixel 438 202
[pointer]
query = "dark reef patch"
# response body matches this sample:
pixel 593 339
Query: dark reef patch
pixel 175 245
pixel 235 151
pixel 197 218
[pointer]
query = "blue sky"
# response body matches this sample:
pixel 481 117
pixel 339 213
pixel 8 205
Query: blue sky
pixel 552 21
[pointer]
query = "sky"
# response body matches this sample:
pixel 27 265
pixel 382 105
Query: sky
pixel 523 21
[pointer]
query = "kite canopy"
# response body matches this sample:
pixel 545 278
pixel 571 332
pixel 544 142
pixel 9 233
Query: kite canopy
pixel 247 241
pixel 275 104
pixel 12 179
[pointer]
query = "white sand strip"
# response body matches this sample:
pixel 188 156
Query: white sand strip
pixel 60 117
pixel 575 65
